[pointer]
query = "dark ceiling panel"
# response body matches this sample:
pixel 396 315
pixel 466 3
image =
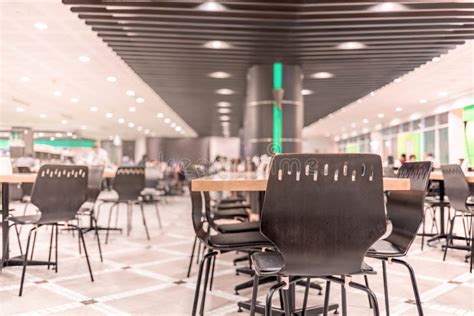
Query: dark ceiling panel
pixel 162 41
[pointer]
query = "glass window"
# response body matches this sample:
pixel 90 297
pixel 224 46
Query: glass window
pixel 443 118
pixel 443 146
pixel 417 124
pixel 429 143
pixel 430 121
pixel 406 127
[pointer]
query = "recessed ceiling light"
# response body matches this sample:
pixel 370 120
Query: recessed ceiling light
pixel 57 93
pixel 74 100
pixel 225 124
pixel 442 94
pixel 372 93
pixel 359 101
pixel 224 104
pixel 365 130
pixel 365 121
pixel 173 124
pixel 64 122
pixel 423 101
pixel 225 91
pixel 74 136
pixel 436 59
pixel 52 138
pixel 337 138
pixel 132 109
pixel 43 116
pixel 167 120
pixel 25 79
pixel 224 110
pixel 322 75
pixel 131 124
pixel 415 116
pixel 394 122
pixel 139 128
pixel 388 7
pixel 84 59
pixel 140 100
pixel 20 109
pixel 217 45
pixel 219 75
pixel 353 125
pixel 398 109
pixel 159 115
pixel 93 109
pixel 130 93
pixel 210 5
pixel 121 120
pixel 111 79
pixel 40 134
pixel 353 133
pixel 41 26
pixel 224 117
pixel 59 135
pixel 378 127
pixel 398 80
pixel 147 131
pixel 351 45
pixel 83 127
pixel 69 134
pixel 109 115
pixel 178 128
pixel 306 92
pixel 380 115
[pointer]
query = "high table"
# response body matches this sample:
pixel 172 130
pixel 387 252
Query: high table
pixel 251 181
pixel 17 178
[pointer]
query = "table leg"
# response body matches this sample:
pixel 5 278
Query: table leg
pixel 5 209
pixel 442 211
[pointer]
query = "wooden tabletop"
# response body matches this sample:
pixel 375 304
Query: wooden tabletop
pixel 249 181
pixel 31 177
pixel 438 175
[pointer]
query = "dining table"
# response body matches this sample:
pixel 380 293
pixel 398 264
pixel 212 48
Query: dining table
pixel 20 178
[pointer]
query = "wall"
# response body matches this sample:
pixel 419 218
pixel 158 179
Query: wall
pixel 320 145
pixel 167 149
pixel 222 146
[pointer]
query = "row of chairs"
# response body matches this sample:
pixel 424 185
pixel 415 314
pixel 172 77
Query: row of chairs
pixel 322 215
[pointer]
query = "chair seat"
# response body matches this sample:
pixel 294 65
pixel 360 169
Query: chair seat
pixel 229 206
pixel 25 220
pixel 228 214
pixel 243 240
pixel 239 227
pixel 384 248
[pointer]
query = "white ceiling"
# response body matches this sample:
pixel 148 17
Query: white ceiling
pixel 50 59
pixel 440 86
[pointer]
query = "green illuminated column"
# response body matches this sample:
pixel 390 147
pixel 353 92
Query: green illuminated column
pixel 274 118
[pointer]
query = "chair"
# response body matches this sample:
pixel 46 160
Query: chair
pixel 405 210
pixel 150 193
pixel 128 183
pixel 457 189
pixel 322 212
pixel 219 243
pixel 58 193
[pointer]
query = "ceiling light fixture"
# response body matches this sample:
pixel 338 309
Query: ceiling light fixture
pixel 132 109
pixel 224 110
pixel 436 59
pixel 159 115
pixel 83 127
pixel 322 75
pixel 69 134
pixel 306 92
pixel 130 93
pixel 121 120
pixel 351 45
pixel 93 109
pixel 224 104
pixel 111 79
pixel 167 120
pixel 225 91
pixel 64 122
pixel 147 131
pixel 423 101
pixel 217 45
pixel 74 100
pixel 43 116
pixel 442 94
pixel 41 26
pixel 365 121
pixel 25 79
pixel 225 124
pixel 57 93
pixel 372 93
pixel 398 80
pixel 359 101
pixel 398 109
pixel 178 128
pixel 140 100
pixel 211 5
pixel 388 7
pixel 219 75
pixel 84 59
pixel 380 115
pixel 109 115
pixel 224 117
pixel 20 109
pixel 173 125
pixel 139 128
pixel 131 124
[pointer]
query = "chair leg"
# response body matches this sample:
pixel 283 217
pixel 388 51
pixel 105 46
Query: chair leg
pixel 50 246
pixel 370 293
pixel 366 279
pixel 305 299
pixel 212 272
pixel 25 260
pixel 206 279
pixel 198 253
pixel 343 298
pixel 326 298
pixel 192 257
pixel 94 220
pixel 144 220
pixel 108 223
pixel 449 238
pixel 33 245
pixel 413 283
pixel 253 302
pixel 24 213
pixel 56 250
pixel 422 232
pixel 198 283
pixel 268 303
pixel 81 235
pixel 385 287
pixel 472 243
pixel 18 238
pixel 285 293
pixel 158 214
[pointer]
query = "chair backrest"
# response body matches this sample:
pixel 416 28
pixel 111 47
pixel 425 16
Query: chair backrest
pixel 94 183
pixel 199 217
pixel 324 211
pixel 405 209
pixel 456 187
pixel 59 191
pixel 129 182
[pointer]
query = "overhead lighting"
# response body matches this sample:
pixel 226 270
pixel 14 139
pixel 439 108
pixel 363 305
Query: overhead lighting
pixel 306 92
pixel 388 7
pixel 139 128
pixel 173 125
pixel 394 122
pixel 210 5
pixel 224 117
pixel 219 75
pixel 74 136
pixel 121 120
pixel 365 130
pixel 322 75
pixel 353 125
pixel 178 128
pixel 442 94
pixel 132 109
pixel 167 120
pixel 147 131
pixel 130 93
pixel 40 134
pixel 69 134
pixel 224 104
pixel 423 101
pixel 378 127
pixel 140 100
pixel 52 138
pixel 43 116
pixel 415 116
pixel 159 115
pixel 436 59
pixel 183 132
pixel 74 100
pixel 57 93
pixel 64 122
pixel 337 138
pixel 131 124
pixel 41 26
pixel 93 109
pixel 83 127
pixel 111 79
pixel 398 109
pixel 225 124
pixel 359 101
pixel 380 115
pixel 351 45
pixel 59 135
pixel 365 121
pixel 109 115
pixel 353 133
pixel 84 59
pixel 224 110
pixel 217 45
pixel 25 79
pixel 398 80
pixel 20 109
pixel 225 91
pixel 372 93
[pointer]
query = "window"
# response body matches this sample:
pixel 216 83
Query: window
pixel 429 145
pixel 443 146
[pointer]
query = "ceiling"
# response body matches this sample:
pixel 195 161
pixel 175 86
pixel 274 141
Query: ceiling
pixel 163 42
pixel 435 87
pixel 53 77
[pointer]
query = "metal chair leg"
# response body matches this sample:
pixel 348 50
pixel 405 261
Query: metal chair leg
pixel 18 238
pixel 371 294
pixel 94 220
pixel 192 257
pixel 108 223
pixel 158 214
pixel 413 283
pixel 50 246
pixel 268 299
pixel 144 221
pixel 449 238
pixel 285 293
pixel 385 288
pixel 56 250
pixel 305 299
pixel 33 245
pixel 343 298
pixel 25 261
pixel 206 279
pixel 256 280
pixel 326 298
pixel 79 230
pixel 198 283
pixel 212 272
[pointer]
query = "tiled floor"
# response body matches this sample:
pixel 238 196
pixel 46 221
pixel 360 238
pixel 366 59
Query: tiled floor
pixel 149 277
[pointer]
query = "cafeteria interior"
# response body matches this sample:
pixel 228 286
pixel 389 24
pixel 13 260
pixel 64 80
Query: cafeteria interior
pixel 225 157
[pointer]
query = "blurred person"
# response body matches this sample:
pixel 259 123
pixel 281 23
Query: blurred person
pixel 403 159
pixel 27 161
pixel 127 161
pixel 98 157
pixel 412 158
pixel 143 161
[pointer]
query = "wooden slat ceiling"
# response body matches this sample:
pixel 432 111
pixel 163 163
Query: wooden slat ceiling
pixel 163 42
